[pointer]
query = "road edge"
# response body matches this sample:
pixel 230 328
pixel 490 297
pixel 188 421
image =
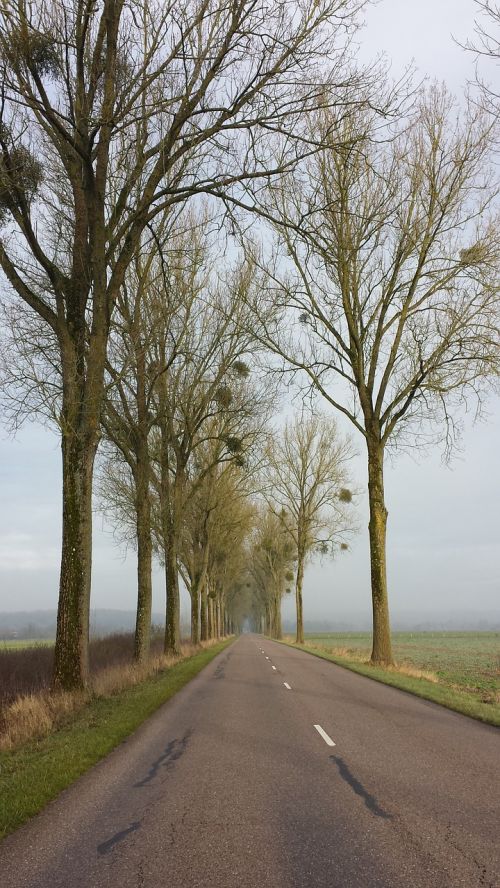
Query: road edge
pixel 418 687
pixel 36 773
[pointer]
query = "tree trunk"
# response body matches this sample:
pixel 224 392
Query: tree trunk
pixel 268 630
pixel 172 645
pixel 204 612
pixel 71 656
pixel 210 617
pixel 299 636
pixel 276 617
pixel 382 648
pixel 144 560
pixel 218 632
pixel 195 612
pixel 198 585
pixel 170 507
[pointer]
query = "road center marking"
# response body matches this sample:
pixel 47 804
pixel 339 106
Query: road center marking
pixel 328 740
pixel 287 686
pixel 267 658
pixel 274 667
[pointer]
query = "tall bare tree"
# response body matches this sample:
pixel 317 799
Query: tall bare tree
pixel 307 487
pixel 391 284
pixel 128 417
pixel 110 113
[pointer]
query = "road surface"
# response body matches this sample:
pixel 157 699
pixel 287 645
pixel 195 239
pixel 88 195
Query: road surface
pixel 236 782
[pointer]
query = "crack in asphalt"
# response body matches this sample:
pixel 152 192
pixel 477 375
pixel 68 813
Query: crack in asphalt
pixel 483 870
pixel 140 876
pixel 220 671
pixel 175 827
pixel 172 753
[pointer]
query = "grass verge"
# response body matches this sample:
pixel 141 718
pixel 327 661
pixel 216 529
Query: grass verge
pixel 451 698
pixel 37 772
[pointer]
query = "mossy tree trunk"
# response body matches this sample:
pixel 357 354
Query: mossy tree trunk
pixel 195 613
pixel 276 630
pixel 196 591
pixel 210 622
pixel 144 556
pixel 299 635
pixel 204 612
pixel 71 658
pixel 172 645
pixel 382 646
pixel 268 620
pixel 170 503
pixel 83 389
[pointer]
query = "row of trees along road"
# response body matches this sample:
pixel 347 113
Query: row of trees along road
pixel 180 405
pixel 133 138
pixel 384 278
pixel 112 114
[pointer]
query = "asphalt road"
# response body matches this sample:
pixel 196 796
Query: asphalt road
pixel 231 785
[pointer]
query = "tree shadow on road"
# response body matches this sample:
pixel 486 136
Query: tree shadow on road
pixel 369 800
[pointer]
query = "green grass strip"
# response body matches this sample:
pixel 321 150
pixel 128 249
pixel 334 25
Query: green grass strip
pixel 37 772
pixel 459 701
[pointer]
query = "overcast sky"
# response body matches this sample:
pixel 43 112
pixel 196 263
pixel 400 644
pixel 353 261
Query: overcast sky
pixel 444 523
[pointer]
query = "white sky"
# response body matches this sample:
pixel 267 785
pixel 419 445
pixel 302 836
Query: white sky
pixel 444 524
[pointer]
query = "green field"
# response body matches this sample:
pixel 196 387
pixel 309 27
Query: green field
pixel 468 661
pixel 16 644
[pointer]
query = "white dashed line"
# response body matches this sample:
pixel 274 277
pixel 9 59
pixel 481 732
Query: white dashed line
pixel 274 667
pixel 267 658
pixel 328 740
pixel 287 686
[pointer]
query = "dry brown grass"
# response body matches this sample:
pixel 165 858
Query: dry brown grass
pixel 31 716
pixel 413 672
pixel 34 715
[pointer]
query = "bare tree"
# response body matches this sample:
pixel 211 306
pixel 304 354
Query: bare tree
pixel 128 416
pixel 181 402
pixel 391 283
pixel 486 45
pixel 110 113
pixel 307 487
